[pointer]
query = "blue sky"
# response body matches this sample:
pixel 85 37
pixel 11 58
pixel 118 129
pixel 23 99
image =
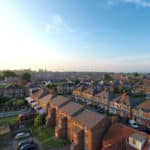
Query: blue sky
pixel 75 35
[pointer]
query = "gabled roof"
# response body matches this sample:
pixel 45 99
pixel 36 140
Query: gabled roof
pixel 117 137
pixel 105 94
pixel 46 98
pixel 71 108
pixel 127 100
pixel 60 100
pixel 41 93
pixel 145 106
pixel 89 118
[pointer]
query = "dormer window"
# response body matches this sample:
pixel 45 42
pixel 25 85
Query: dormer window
pixel 137 141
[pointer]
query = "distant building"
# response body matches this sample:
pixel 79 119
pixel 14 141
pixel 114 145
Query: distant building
pixel 65 88
pixel 12 90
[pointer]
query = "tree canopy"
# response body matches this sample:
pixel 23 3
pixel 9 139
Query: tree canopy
pixel 26 76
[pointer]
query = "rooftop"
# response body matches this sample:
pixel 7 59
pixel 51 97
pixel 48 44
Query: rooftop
pixel 71 108
pixel 145 106
pixel 59 100
pixel 89 118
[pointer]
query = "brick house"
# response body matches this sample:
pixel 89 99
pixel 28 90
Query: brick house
pixel 103 99
pixel 87 129
pixel 78 93
pixel 64 115
pixel 123 104
pixel 38 94
pixel 125 138
pixel 141 113
pixel 53 106
pixel 44 101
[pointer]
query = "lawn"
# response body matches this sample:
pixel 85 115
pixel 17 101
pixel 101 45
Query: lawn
pixel 10 120
pixel 46 137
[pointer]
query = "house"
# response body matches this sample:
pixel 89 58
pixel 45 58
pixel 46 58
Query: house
pixel 87 129
pixel 53 106
pixel 38 94
pixel 39 100
pixel 122 105
pixel 78 92
pixel 63 119
pixel 65 88
pixel 44 101
pixel 12 90
pixel 125 138
pixel 103 99
pixel 141 113
pixel 31 86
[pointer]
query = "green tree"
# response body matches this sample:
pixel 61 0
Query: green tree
pixel 9 73
pixel 26 76
pixel 107 77
pixel 38 121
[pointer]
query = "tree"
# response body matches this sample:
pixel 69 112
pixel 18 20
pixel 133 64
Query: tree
pixel 9 73
pixel 38 121
pixel 26 76
pixel 107 77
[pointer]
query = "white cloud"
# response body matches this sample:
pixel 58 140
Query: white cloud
pixel 57 24
pixel 138 3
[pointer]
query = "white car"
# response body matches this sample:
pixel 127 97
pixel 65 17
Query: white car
pixel 133 124
pixel 22 135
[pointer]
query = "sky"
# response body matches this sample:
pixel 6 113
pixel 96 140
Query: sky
pixel 75 35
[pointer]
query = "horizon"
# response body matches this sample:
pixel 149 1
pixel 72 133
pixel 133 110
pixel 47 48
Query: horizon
pixel 75 36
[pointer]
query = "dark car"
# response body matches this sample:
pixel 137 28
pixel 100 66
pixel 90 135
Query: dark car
pixel 20 144
pixel 29 147
pixel 101 110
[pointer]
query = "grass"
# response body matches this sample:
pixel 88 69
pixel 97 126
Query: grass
pixel 46 137
pixel 10 120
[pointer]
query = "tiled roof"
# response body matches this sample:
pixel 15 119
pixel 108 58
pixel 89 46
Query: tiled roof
pixel 117 137
pixel 59 100
pixel 127 100
pixel 46 98
pixel 71 108
pixel 89 118
pixel 145 106
pixel 105 94
pixel 41 92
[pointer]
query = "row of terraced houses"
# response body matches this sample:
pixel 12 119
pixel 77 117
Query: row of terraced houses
pixel 124 105
pixel 87 130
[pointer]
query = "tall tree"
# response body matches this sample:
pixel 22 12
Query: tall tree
pixel 26 76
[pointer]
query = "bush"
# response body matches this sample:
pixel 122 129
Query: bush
pixel 19 103
pixel 38 121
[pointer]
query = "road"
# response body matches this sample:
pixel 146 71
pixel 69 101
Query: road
pixel 11 113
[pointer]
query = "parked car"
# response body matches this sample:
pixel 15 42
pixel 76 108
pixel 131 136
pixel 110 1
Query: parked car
pixel 133 124
pixel 20 144
pixel 101 110
pixel 29 147
pixel 22 135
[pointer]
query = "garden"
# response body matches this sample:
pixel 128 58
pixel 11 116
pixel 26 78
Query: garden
pixel 7 104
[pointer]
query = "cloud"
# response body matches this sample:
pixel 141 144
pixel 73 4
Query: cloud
pixel 137 3
pixel 57 24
